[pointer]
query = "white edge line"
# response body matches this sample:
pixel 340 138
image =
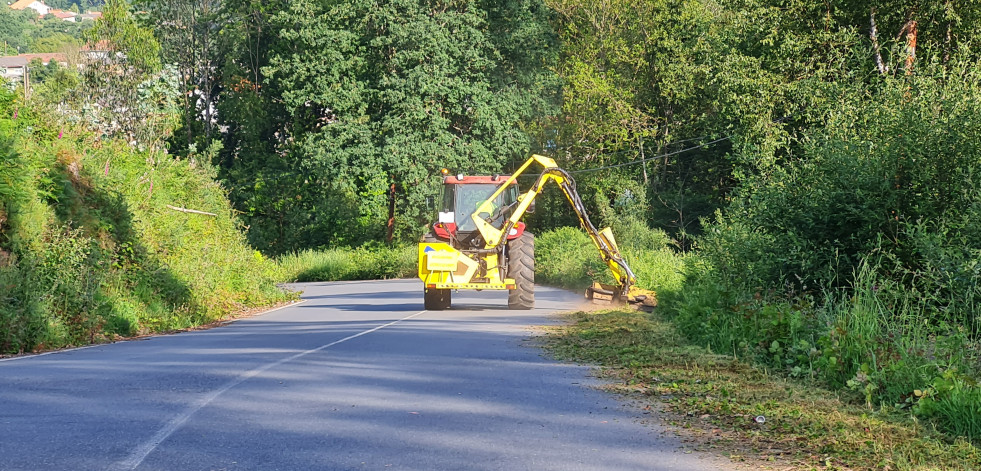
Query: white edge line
pixel 232 321
pixel 143 450
pixel 75 349
pixel 52 352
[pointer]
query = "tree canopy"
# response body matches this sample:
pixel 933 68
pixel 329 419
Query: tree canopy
pixel 319 114
pixel 355 97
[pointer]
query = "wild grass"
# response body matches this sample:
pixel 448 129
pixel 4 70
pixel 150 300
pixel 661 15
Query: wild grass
pixel 339 264
pixel 877 344
pixel 91 249
pixel 718 398
pixel 879 347
pixel 566 257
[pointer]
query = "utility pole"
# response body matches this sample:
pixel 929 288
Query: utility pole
pixel 27 82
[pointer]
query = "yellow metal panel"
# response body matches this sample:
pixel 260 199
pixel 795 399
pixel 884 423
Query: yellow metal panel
pixel 441 263
pixel 494 286
pixel 608 235
pixel 544 161
pixel 424 249
pixel 439 260
pixel 471 269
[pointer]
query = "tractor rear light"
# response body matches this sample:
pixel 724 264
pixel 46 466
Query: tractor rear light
pixel 512 286
pixel 516 231
pixel 431 286
pixel 444 230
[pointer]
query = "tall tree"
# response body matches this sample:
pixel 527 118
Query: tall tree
pixel 13 30
pixel 643 74
pixel 638 80
pixel 123 78
pixel 189 33
pixel 253 164
pixel 377 93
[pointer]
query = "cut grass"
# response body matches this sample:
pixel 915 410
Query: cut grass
pixel 718 398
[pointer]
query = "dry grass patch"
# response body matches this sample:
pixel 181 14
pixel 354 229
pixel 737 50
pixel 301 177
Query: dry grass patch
pixel 749 414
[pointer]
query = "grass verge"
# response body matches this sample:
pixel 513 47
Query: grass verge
pixel 717 400
pixel 100 240
pixel 343 264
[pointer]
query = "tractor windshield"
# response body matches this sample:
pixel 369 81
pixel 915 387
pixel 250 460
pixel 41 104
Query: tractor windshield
pixel 469 196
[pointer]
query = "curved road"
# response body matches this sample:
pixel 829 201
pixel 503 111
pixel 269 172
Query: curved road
pixel 358 376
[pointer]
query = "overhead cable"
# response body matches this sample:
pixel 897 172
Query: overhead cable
pixel 660 156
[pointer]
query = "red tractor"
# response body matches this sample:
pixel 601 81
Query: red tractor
pixel 479 241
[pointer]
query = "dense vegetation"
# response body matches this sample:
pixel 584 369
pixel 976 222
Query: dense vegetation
pixel 334 108
pixel 95 238
pixel 24 32
pixel 799 180
pixel 836 239
pixel 90 249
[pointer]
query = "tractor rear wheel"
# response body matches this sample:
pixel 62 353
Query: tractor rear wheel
pixel 521 267
pixel 436 299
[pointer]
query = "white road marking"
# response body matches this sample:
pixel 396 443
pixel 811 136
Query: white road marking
pixel 141 452
pixel 52 352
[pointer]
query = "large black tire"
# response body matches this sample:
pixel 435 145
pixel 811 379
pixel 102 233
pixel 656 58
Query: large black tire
pixel 521 267
pixel 436 299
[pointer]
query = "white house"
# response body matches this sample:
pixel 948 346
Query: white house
pixel 12 67
pixel 36 5
pixel 64 15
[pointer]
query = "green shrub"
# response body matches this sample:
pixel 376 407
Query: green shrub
pixel 363 263
pixel 23 322
pixel 892 175
pixel 875 341
pixel 778 332
pixel 90 248
pixel 853 260
pixel 883 342
pixel 954 402
pixel 566 257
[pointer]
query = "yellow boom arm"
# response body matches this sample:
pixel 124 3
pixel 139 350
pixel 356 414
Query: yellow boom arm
pixel 603 239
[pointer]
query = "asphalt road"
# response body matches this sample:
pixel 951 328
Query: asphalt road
pixel 358 376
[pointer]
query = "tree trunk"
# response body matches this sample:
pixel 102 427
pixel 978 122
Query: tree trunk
pixel 910 47
pixel 391 215
pixel 643 161
pixel 873 33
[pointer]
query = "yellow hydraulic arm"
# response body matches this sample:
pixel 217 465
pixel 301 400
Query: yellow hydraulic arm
pixel 603 239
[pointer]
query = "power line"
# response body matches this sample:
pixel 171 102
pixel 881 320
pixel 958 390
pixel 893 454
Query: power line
pixel 669 154
pixel 661 156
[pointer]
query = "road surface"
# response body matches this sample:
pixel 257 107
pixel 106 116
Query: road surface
pixel 356 377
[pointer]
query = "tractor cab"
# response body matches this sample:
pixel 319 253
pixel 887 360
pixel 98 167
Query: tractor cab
pixel 461 196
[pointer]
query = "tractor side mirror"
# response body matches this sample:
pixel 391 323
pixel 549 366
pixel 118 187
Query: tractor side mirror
pixel 431 203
